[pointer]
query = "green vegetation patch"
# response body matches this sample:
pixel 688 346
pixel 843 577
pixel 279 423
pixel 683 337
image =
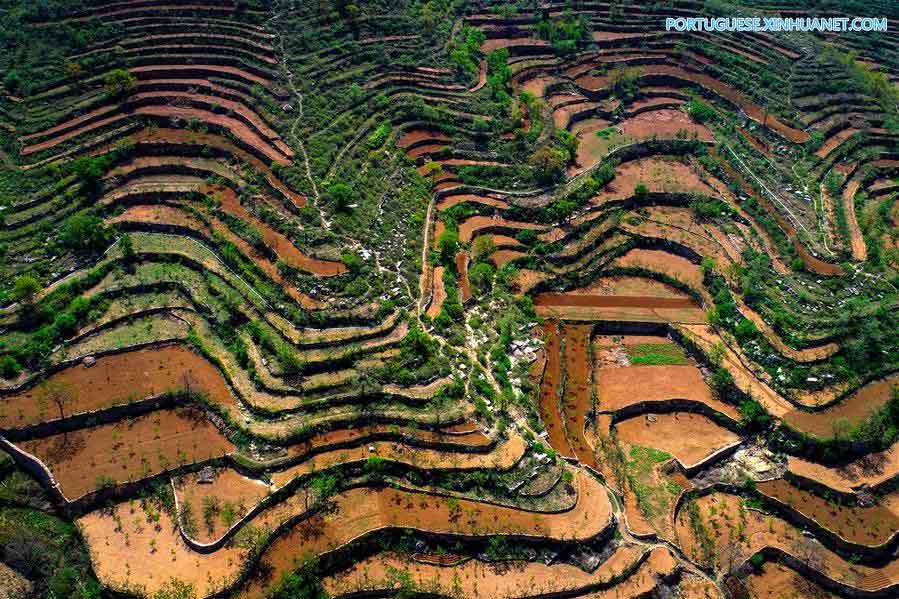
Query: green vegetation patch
pixel 656 354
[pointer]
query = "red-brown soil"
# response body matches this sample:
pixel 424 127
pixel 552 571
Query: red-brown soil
pixel 657 174
pixel 719 513
pixel 673 265
pixel 118 379
pixel 158 214
pixel 811 262
pixel 663 124
pixel 163 135
pixel 235 126
pixel 282 246
pixel 464 283
pixel 871 470
pixel 775 581
pixel 414 136
pixel 691 438
pixel 872 526
pixel 707 339
pixel 577 400
pixel 439 293
pixel 450 201
pixel 856 239
pixel 592 147
pixel 853 409
pixel 84 460
pixel 502 257
pixel 755 142
pixel 117 541
pixel 230 489
pixel 834 142
pixel 496 580
pixel 361 510
pixel 755 112
pixel 618 388
pixel 621 298
pixel 548 403
pixel 158 71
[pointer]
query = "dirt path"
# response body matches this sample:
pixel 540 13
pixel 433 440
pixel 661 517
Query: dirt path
pixel 856 239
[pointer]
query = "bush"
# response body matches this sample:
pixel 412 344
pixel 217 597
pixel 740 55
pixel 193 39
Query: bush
pixel 340 195
pixel 448 243
pixel 550 164
pixel 9 367
pixel 25 288
pixel 84 232
pixel 699 111
pixel 481 276
pixel 118 82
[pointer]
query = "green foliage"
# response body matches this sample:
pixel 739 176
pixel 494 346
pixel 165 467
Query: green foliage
pixel 499 75
pixel 118 82
pixel 84 232
pixel 481 276
pixel 448 244
pixel 379 136
pixel 707 208
pixel 656 354
pixel 564 33
pixel 340 195
pixel 753 415
pixel 550 163
pixel 47 550
pixel 699 111
pixel 623 81
pixel 303 583
pixel 25 288
pixel 464 50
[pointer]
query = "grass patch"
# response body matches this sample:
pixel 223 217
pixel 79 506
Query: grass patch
pixel 657 354
pixel 654 494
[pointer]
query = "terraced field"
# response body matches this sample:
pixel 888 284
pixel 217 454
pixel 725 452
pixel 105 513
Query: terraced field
pixel 445 299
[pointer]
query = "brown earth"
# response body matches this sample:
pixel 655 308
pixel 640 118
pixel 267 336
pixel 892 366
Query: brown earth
pixel 548 402
pixel 577 399
pixel 690 438
pixel 664 123
pixel 850 411
pixel 872 526
pixel 85 460
pixel 118 379
pixel 871 470
pixel 618 388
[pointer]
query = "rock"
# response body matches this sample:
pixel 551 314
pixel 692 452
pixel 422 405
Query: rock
pixel 89 361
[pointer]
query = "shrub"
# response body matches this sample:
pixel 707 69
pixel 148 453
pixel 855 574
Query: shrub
pixel 699 111
pixel 481 276
pixel 448 243
pixel 118 82
pixel 340 195
pixel 9 367
pixel 550 163
pixel 25 288
pixel 84 232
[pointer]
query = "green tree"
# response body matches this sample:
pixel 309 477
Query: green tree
pixel 699 111
pixel 118 82
pixel 550 163
pixel 25 288
pixel 84 232
pixel 341 196
pixel 448 243
pixel 481 276
pixel 129 256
